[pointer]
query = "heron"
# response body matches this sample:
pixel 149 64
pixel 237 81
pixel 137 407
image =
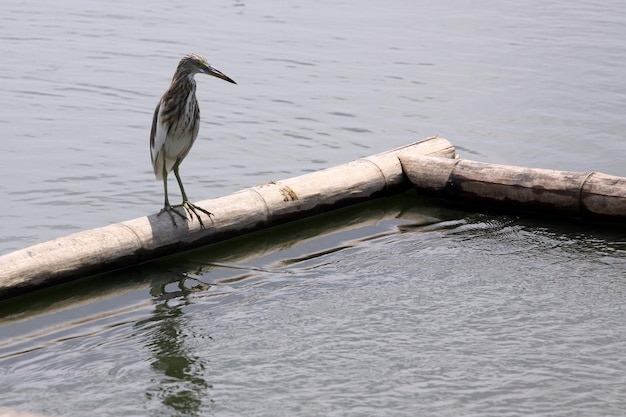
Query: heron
pixel 175 126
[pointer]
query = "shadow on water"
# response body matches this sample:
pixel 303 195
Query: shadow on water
pixel 179 270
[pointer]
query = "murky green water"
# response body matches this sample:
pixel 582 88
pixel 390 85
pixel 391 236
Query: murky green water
pixel 404 306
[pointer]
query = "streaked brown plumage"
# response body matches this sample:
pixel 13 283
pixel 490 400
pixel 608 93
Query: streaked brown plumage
pixel 175 127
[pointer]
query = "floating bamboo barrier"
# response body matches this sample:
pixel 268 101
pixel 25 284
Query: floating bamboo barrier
pixel 581 194
pixel 429 165
pixel 146 238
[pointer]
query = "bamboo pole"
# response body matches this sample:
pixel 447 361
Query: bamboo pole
pixel 146 238
pixel 582 194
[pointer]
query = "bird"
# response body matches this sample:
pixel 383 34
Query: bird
pixel 175 126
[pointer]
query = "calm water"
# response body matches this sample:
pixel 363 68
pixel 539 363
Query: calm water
pixel 400 307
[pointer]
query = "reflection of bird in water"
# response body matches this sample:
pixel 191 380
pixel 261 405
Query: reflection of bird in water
pixel 175 127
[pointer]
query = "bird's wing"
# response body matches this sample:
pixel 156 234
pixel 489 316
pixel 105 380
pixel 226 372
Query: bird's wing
pixel 158 134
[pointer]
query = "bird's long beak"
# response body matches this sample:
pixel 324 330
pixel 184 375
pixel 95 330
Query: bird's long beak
pixel 216 73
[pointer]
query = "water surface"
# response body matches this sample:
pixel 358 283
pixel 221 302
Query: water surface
pixel 400 307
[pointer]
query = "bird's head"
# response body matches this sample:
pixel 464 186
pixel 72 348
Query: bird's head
pixel 192 64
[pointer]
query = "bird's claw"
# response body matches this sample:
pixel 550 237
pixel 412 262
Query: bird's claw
pixel 191 209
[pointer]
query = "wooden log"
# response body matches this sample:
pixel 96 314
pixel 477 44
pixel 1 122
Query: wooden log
pixel 581 194
pixel 146 238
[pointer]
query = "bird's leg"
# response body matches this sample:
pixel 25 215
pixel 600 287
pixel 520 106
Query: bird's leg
pixel 188 205
pixel 166 205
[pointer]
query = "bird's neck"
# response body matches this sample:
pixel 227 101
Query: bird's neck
pixel 183 85
pixel 192 81
pixel 185 78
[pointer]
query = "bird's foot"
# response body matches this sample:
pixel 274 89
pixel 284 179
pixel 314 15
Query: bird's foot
pixel 191 209
pixel 172 209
